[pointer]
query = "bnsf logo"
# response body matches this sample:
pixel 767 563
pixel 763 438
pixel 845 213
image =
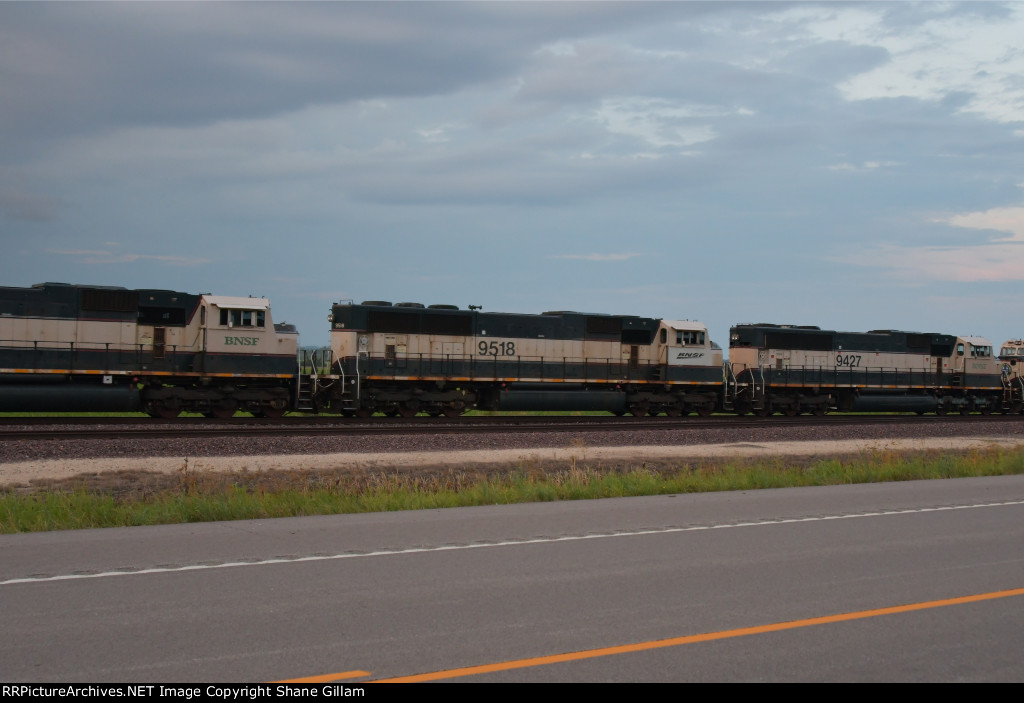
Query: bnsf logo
pixel 242 341
pixel 689 355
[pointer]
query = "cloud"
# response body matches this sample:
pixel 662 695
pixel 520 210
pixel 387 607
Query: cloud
pixel 84 69
pixel 949 51
pixel 984 263
pixel 865 166
pixel 94 256
pixel 659 123
pixel 1000 219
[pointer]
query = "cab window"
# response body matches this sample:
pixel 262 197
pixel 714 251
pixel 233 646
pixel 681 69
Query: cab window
pixel 690 337
pixel 242 318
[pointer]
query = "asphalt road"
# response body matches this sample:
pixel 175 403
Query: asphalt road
pixel 503 590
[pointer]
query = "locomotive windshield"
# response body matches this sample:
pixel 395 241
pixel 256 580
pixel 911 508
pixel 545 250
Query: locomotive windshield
pixel 243 318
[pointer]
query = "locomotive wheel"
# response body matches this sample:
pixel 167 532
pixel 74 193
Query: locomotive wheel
pixel 638 410
pixel 941 412
pixel 273 413
pixel 792 411
pixel 364 413
pixel 763 412
pixel 819 411
pixel 673 412
pixel 705 412
pixel 162 411
pixel 407 411
pixel 452 412
pixel 965 411
pixel 985 410
pixel 222 410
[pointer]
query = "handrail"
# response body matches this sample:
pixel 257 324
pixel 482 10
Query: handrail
pixel 570 368
pixel 875 376
pixel 67 354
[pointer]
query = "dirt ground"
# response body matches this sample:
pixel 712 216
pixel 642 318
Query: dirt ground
pixel 149 475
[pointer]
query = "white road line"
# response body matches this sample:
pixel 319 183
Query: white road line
pixel 486 545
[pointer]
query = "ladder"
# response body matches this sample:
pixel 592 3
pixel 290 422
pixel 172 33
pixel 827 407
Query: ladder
pixel 313 365
pixel 730 387
pixel 351 384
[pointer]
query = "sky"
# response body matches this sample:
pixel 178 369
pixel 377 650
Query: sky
pixel 852 165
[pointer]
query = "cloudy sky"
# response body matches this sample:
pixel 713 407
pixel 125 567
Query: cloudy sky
pixel 851 165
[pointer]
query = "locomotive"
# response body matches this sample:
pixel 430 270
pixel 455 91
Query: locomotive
pixel 86 348
pixel 406 358
pixel 806 369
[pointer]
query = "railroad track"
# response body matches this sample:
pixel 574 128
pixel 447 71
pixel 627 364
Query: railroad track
pixel 13 429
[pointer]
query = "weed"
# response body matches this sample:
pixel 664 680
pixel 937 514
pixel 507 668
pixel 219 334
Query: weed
pixel 194 494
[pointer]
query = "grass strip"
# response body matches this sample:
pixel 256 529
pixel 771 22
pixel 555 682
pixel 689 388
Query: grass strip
pixel 196 495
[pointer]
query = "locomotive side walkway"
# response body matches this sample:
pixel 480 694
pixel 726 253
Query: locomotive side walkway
pixel 23 472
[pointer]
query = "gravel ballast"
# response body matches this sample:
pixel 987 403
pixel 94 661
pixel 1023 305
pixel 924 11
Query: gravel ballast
pixel 22 461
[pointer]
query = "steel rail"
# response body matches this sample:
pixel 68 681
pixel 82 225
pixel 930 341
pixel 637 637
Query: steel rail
pixel 125 428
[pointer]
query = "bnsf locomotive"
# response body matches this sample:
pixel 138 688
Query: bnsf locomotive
pixel 78 348
pixel 407 358
pixel 81 348
pixel 806 369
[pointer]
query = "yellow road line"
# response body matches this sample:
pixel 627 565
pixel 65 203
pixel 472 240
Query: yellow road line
pixel 692 639
pixel 327 678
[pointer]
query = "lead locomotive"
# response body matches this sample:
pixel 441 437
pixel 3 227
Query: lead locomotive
pixel 86 348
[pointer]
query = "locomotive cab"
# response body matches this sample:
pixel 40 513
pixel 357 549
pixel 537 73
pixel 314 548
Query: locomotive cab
pixel 974 356
pixel 239 334
pixel 1012 351
pixel 687 343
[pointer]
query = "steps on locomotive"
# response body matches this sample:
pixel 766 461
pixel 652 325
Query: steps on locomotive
pixel 304 400
pixel 314 364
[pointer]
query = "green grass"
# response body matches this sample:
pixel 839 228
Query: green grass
pixel 201 496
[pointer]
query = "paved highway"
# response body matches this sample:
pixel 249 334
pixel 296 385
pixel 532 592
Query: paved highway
pixel 673 588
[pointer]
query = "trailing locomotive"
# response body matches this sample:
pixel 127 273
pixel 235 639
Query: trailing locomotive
pixel 84 348
pixel 788 369
pixel 406 358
